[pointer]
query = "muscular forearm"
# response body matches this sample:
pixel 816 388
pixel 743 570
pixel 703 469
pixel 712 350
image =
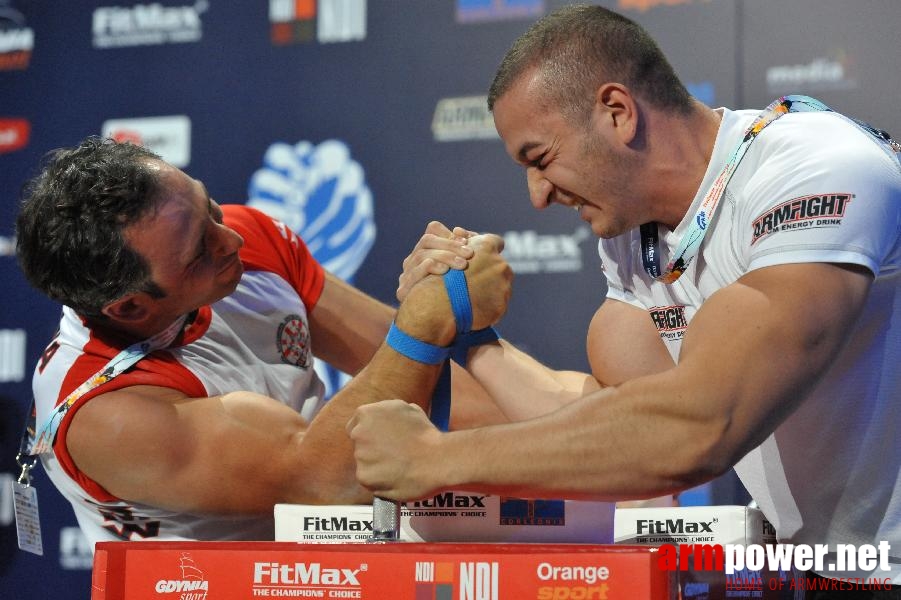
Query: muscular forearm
pixel 580 451
pixel 522 387
pixel 325 446
pixel 424 315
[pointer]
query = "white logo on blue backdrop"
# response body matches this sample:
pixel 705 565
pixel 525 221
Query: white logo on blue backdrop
pixel 320 192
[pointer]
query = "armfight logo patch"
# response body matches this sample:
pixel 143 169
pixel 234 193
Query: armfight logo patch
pixel 806 212
pixel 670 321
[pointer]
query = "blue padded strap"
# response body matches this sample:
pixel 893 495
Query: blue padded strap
pixel 458 293
pixel 414 349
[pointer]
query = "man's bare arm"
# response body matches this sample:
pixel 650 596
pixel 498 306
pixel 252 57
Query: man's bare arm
pixel 242 452
pixel 651 435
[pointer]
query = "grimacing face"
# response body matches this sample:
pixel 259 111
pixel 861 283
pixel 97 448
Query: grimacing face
pixel 576 166
pixel 192 256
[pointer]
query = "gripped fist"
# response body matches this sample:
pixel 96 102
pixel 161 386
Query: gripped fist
pixel 438 250
pixel 426 314
pixel 391 440
pixel 490 280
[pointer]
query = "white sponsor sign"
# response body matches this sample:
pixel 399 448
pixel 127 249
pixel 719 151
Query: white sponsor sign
pixel 169 136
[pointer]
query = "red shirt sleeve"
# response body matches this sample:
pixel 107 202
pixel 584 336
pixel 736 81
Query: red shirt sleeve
pixel 271 246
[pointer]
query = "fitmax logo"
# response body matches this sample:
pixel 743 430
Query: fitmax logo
pixel 451 500
pixel 649 526
pixel 304 573
pixel 531 252
pixel 335 524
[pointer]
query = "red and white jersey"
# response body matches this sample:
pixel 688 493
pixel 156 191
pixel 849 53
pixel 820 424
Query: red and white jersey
pixel 256 339
pixel 813 187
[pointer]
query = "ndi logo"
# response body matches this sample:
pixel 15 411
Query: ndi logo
pixel 324 21
pixel 476 580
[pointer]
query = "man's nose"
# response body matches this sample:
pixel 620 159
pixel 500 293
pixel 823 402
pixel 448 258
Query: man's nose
pixel 540 189
pixel 227 240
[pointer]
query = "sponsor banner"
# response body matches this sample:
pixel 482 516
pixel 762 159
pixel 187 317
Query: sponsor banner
pixel 529 252
pixel 169 136
pixel 692 525
pixel 14 134
pixel 462 119
pixel 12 355
pixel 323 21
pixel 7 246
pixel 16 40
pixel 454 517
pixel 241 570
pixel 75 552
pixel 147 24
pixel 703 528
pixel 476 11
pixel 820 74
pixel 646 5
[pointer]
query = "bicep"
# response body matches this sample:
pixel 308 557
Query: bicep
pixel 787 322
pixel 157 447
pixel 347 325
pixel 624 344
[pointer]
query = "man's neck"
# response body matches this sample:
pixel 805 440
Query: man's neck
pixel 682 147
pixel 129 333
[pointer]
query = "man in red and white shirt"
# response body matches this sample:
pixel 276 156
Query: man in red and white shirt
pixel 203 435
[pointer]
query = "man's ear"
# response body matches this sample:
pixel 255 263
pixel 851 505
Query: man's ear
pixel 130 308
pixel 617 106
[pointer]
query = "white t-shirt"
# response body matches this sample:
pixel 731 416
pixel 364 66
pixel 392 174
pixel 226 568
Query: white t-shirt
pixel 813 187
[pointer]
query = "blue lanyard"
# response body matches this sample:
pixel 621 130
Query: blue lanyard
pixel 40 441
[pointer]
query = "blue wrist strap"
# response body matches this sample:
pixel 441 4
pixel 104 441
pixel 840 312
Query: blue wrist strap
pixel 430 354
pixel 414 349
pixel 458 293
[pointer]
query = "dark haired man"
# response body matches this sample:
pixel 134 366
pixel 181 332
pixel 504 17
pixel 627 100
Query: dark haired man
pixel 178 399
pixel 763 245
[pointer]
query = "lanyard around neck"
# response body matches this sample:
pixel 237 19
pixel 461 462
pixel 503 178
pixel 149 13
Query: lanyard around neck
pixel 40 441
pixel 690 243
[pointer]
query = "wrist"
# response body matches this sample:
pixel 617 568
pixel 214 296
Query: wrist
pixel 426 314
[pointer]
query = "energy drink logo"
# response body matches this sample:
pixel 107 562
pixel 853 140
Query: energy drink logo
pixel 16 39
pixel 320 193
pixel 475 11
pixel 517 511
pixel 464 581
pixel 670 321
pixel 324 21
pixel 806 212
